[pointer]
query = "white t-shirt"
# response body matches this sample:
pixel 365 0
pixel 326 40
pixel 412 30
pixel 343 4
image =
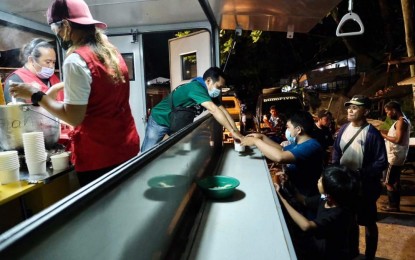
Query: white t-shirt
pixel 353 157
pixel 77 80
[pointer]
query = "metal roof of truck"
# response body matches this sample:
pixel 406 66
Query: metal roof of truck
pixel 298 16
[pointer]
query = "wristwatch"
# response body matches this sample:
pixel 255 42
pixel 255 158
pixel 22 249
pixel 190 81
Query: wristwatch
pixel 37 97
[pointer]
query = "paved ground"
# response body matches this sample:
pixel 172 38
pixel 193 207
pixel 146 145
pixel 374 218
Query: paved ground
pixel 397 230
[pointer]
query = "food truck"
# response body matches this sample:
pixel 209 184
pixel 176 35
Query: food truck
pixel 151 207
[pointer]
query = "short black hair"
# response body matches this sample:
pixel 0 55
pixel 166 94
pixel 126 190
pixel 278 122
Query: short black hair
pixel 324 113
pixel 341 184
pixel 304 120
pixel 393 105
pixel 214 73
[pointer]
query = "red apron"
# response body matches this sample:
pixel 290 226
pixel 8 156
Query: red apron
pixel 107 136
pixel 28 77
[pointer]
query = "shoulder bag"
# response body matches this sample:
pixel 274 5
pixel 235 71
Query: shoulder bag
pixel 180 116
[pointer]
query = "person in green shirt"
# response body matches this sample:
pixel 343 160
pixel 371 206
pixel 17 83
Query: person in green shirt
pixel 199 91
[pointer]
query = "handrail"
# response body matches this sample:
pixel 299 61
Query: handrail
pixel 347 17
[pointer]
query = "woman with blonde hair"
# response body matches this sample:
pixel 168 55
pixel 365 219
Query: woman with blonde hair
pixel 96 92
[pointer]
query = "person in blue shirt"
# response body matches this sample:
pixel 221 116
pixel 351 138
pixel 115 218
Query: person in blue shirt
pixel 303 157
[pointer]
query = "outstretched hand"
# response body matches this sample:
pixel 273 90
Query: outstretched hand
pixel 250 139
pixel 237 137
pixel 255 135
pixel 22 90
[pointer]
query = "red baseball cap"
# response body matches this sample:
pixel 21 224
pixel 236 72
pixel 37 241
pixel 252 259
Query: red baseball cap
pixel 76 11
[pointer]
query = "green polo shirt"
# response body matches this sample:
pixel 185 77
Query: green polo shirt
pixel 190 94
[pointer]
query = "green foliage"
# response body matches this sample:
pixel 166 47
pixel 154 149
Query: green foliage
pixel 182 34
pixel 255 35
pixel 227 39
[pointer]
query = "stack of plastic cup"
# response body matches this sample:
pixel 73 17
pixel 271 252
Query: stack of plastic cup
pixel 9 167
pixel 35 152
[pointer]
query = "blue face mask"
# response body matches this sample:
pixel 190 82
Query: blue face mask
pixel 289 138
pixel 214 92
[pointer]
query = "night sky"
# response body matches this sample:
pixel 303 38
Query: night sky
pixel 156 54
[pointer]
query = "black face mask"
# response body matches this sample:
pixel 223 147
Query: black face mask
pixel 64 44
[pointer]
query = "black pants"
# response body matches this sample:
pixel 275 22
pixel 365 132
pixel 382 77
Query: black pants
pixel 367 217
pixel 89 176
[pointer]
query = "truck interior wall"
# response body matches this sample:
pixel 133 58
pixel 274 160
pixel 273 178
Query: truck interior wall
pixel 126 214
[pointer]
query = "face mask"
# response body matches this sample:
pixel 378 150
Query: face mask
pixel 289 138
pixel 45 72
pixel 214 92
pixel 64 44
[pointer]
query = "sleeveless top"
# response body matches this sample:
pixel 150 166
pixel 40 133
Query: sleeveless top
pixel 397 152
pixel 107 136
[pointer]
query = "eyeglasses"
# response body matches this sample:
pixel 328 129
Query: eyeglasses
pixel 56 26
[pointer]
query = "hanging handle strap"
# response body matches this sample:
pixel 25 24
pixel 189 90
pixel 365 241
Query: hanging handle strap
pixel 350 16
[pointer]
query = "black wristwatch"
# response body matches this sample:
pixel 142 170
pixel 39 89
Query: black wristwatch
pixel 37 97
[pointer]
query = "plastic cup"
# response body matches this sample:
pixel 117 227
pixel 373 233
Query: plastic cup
pixel 8 176
pixel 60 161
pixel 239 147
pixel 9 160
pixel 36 167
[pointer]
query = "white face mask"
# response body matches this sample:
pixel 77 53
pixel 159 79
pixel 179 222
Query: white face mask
pixel 214 92
pixel 44 72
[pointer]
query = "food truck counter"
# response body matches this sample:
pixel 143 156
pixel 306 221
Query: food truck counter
pixel 21 199
pixel 151 208
pixel 250 225
pixel 28 183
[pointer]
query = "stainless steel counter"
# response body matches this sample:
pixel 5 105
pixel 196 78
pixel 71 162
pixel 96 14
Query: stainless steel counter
pixel 150 222
pixel 47 177
pixel 250 225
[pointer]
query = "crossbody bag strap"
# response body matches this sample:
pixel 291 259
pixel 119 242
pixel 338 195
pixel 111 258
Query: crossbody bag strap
pixel 352 139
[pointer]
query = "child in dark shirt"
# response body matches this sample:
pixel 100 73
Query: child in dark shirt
pixel 330 229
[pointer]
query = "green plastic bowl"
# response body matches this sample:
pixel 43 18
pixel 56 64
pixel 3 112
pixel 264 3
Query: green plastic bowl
pixel 218 187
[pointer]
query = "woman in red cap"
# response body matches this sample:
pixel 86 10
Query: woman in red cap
pixel 96 92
